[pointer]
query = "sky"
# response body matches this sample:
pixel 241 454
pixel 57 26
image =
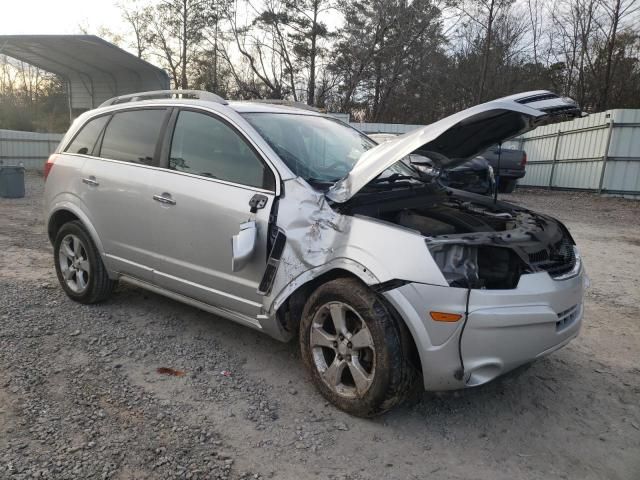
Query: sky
pixel 57 16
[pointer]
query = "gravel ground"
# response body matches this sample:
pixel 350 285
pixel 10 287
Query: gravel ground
pixel 81 395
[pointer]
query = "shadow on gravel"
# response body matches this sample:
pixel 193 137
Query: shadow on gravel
pixel 548 390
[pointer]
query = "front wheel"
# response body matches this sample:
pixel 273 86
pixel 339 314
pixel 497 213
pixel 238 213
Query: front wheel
pixel 353 348
pixel 79 267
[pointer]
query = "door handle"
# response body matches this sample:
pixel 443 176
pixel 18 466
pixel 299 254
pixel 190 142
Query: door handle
pixel 164 198
pixel 91 181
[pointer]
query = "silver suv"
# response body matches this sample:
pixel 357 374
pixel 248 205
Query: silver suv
pixel 294 223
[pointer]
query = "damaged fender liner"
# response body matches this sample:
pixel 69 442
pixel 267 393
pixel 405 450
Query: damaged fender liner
pixel 272 263
pixel 388 285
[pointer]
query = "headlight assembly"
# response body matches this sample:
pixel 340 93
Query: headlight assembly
pixel 478 266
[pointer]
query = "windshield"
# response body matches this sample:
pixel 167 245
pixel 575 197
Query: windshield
pixel 318 149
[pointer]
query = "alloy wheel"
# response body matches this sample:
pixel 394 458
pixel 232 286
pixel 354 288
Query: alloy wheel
pixel 74 263
pixel 343 349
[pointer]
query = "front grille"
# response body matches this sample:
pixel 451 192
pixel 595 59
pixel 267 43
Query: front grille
pixel 566 318
pixel 557 260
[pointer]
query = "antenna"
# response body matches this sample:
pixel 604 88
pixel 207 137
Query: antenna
pixel 495 193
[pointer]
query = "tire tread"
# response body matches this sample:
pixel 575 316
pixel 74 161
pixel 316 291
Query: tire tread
pixel 401 375
pixel 101 285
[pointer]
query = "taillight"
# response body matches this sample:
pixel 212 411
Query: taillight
pixel 523 162
pixel 49 165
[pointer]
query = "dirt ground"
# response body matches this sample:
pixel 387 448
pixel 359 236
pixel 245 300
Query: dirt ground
pixel 81 397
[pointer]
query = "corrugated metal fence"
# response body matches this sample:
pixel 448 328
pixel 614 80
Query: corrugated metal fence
pixel 27 148
pixel 600 152
pixel 397 128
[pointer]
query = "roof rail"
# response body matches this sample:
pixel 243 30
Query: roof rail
pixel 136 97
pixel 287 103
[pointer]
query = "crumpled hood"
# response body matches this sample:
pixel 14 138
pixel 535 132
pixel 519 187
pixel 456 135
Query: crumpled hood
pixel 459 137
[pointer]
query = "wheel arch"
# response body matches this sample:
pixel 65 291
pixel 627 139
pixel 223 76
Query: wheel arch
pixel 67 212
pixel 289 310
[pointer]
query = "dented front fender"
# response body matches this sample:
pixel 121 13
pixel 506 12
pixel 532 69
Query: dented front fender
pixel 320 239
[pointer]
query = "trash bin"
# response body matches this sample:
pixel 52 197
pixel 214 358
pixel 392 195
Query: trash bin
pixel 11 182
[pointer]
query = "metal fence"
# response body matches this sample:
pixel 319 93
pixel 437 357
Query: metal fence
pixel 29 149
pixel 397 128
pixel 600 153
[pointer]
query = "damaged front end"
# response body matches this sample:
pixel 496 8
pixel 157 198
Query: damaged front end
pixel 476 243
pixel 512 242
pixel 425 249
pixel 513 277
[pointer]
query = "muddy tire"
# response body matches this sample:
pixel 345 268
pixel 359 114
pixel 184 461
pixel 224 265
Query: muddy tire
pixel 80 270
pixel 352 347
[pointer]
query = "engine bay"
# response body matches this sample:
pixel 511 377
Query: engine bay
pixel 478 243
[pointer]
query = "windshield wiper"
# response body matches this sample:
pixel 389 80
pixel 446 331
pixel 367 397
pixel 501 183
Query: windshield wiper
pixel 318 181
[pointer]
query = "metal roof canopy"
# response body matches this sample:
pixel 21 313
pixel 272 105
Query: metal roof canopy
pixel 93 69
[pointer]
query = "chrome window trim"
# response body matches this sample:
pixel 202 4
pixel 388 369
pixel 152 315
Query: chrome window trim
pixel 243 136
pixel 68 143
pixel 152 167
pixel 102 113
pixel 264 156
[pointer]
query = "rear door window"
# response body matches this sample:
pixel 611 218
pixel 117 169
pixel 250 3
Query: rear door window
pixel 206 146
pixel 85 141
pixel 132 136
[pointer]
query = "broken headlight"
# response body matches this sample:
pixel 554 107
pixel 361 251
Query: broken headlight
pixel 477 266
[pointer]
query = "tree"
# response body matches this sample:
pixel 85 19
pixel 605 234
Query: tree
pixel 381 45
pixel 31 99
pixel 267 67
pixel 616 12
pixel 485 13
pixel 596 38
pixel 138 19
pixel 304 19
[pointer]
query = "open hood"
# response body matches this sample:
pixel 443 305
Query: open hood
pixel 460 137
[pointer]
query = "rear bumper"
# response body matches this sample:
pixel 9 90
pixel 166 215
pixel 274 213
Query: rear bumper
pixel 504 329
pixel 510 173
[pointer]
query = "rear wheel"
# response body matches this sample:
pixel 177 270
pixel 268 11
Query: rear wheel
pixel 352 347
pixel 507 185
pixel 79 267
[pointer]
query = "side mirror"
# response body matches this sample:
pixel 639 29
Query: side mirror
pixel 242 245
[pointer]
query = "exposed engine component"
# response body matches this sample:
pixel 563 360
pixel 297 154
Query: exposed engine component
pixel 479 245
pixel 424 224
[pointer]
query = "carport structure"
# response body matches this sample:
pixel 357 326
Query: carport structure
pixel 93 69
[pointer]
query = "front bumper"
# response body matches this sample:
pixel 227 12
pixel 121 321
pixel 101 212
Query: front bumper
pixel 504 329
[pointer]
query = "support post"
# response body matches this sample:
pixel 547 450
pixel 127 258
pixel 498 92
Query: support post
pixel 605 157
pixel 555 158
pixel 69 100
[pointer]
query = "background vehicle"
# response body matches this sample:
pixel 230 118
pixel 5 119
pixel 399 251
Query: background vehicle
pixel 293 223
pixel 512 166
pixel 476 175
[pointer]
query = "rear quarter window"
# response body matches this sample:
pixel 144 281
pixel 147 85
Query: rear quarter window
pixel 132 136
pixel 85 140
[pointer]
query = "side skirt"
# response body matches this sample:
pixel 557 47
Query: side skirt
pixel 228 314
